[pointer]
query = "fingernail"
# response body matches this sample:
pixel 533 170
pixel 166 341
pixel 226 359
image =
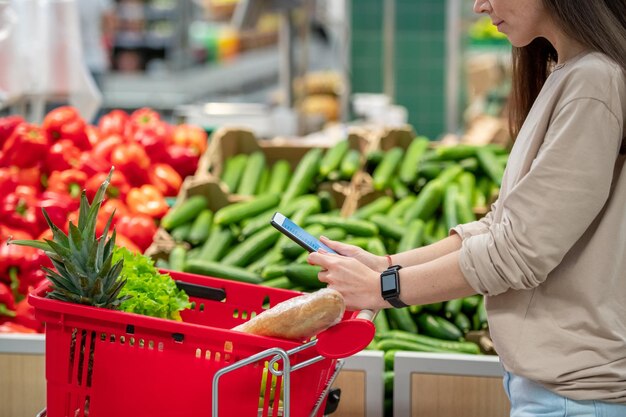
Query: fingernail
pixel 324 237
pixel 322 251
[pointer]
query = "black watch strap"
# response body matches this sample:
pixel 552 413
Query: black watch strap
pixel 395 301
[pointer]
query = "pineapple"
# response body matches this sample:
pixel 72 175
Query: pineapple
pixel 85 273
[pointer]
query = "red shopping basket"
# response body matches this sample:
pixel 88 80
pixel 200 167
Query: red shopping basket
pixel 105 363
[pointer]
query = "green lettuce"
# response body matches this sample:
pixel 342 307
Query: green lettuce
pixel 152 293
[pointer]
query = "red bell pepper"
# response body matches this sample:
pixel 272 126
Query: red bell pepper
pixel 25 316
pixel 104 148
pixel 144 117
pixel 113 123
pixel 7 301
pixel 93 135
pixel 18 209
pixel 182 159
pixel 63 155
pixel 30 176
pixel 113 207
pixel 25 148
pixel 124 242
pixel 70 181
pixel 133 161
pixel 8 180
pixel 30 280
pixel 165 178
pixel 139 228
pixel 148 200
pixel 66 123
pixel 118 188
pixel 190 136
pixel 58 205
pixel 8 125
pixel 154 139
pixel 11 327
pixel 17 261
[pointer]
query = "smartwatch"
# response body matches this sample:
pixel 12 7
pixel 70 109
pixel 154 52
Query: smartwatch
pixel 390 286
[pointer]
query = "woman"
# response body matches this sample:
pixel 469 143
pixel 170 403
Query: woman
pixel 550 257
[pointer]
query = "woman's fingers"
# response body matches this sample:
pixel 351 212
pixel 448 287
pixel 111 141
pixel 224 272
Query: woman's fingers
pixel 341 248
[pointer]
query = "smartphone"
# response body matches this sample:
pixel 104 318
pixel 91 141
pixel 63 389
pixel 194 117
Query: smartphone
pixel 297 234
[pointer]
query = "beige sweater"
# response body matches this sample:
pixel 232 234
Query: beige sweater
pixel 551 254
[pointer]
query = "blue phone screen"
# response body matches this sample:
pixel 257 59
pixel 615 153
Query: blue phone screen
pixel 305 236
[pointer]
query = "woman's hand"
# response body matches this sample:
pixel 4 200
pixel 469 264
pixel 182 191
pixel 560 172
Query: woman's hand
pixel 377 263
pixel 358 284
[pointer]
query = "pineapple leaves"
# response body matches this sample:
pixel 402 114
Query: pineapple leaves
pixel 32 243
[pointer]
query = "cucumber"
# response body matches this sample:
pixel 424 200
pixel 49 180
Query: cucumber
pixel 177 258
pixel 333 157
pixel 478 199
pixel 461 347
pixel 386 170
pixel 464 211
pixel 219 270
pixel 470 304
pixel 201 228
pixel 405 345
pixel 250 249
pixel 490 164
pixel 305 276
pixel 380 321
pixel 253 225
pixel 409 167
pixel 400 207
pixel 233 170
pixel 413 236
pixel 399 189
pixel 356 227
pixel 335 233
pixel 236 212
pixel 430 170
pixel 389 358
pixel 433 307
pixel 402 319
pixel 452 308
pixel 480 317
pixel 462 322
pixel 373 159
pixel 273 271
pixel 388 382
pixel 450 205
pixel 279 177
pixel 181 233
pixel 426 203
pixel 307 202
pixel 252 173
pixel 376 246
pixel 327 202
pixel 361 242
pixel 415 309
pixel 303 176
pixel 280 282
pixel 455 152
pixel 185 212
pixel 388 226
pixel 438 327
pixel 271 257
pixel 264 182
pixel 469 164
pixel 379 206
pixel 467 184
pixel 218 242
pixel 350 164
pixel 449 174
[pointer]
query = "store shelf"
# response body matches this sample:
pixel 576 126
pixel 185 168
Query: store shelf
pixel 22 343
pixel 472 385
pixel 169 90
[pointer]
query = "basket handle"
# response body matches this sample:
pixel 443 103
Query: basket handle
pixel 201 291
pixel 348 336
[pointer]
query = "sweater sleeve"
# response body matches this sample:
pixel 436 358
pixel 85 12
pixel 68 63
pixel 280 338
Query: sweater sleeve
pixel 477 227
pixel 551 207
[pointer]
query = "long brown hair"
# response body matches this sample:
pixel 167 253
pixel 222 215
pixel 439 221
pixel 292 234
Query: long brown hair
pixel 599 25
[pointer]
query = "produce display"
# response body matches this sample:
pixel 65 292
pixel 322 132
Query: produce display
pixel 48 165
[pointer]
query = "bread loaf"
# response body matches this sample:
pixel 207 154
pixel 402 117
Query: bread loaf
pixel 298 318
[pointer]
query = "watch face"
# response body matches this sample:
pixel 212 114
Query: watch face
pixel 388 284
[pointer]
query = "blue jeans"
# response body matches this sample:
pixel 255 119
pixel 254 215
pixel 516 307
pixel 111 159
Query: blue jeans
pixel 529 399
